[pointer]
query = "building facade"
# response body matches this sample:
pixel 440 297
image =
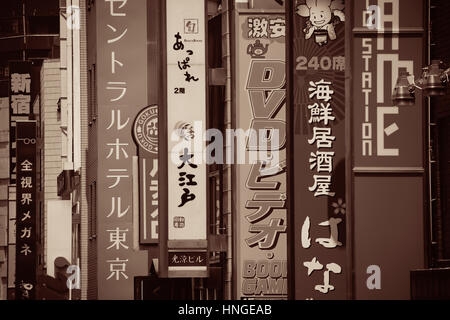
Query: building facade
pixel 323 186
pixel 249 237
pixel 29 32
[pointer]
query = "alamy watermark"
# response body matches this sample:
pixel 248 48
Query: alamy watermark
pixel 73 17
pixel 235 146
pixel 73 281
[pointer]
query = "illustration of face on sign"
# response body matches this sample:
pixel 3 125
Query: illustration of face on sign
pixel 323 16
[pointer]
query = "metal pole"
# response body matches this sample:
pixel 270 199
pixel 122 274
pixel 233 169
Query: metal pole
pixel 24 25
pixel 135 168
pixel 226 60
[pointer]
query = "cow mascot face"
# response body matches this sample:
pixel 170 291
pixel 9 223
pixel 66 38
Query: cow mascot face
pixel 323 16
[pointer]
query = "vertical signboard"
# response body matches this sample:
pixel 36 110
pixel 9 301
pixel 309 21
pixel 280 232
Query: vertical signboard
pixel 388 147
pixel 145 133
pixel 318 164
pixel 260 182
pixel 122 93
pixel 26 204
pixel 186 118
pixel 20 104
pixel 387 38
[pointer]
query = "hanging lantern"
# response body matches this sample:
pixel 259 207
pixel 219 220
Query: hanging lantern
pixel 433 85
pixel 403 94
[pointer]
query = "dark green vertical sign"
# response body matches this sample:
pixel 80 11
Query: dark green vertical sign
pixel 26 210
pixel 318 143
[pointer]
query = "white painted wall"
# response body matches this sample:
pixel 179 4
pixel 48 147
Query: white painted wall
pixel 59 232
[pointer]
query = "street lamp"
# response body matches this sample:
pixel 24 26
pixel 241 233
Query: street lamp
pixel 403 94
pixel 433 82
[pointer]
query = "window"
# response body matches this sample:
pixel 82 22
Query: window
pixel 215 204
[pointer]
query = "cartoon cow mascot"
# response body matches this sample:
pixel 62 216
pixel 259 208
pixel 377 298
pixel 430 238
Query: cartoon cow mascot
pixel 323 16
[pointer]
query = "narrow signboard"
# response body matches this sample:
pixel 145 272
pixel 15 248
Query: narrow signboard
pixel 186 121
pixel 122 93
pixel 20 104
pixel 261 248
pixel 145 133
pixel 318 138
pixel 388 37
pixel 26 210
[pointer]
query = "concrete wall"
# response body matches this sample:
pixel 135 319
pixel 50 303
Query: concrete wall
pixel 59 232
pixel 51 134
pixel 74 105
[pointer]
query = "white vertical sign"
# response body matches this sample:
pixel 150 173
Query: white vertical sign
pixel 186 119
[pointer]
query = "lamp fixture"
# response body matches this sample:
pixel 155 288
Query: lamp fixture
pixel 433 82
pixel 403 94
